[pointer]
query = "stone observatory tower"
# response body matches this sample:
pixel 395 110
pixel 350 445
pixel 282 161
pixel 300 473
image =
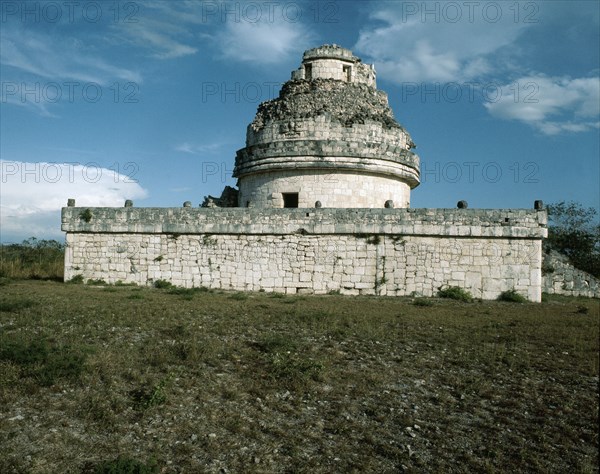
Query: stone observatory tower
pixel 330 139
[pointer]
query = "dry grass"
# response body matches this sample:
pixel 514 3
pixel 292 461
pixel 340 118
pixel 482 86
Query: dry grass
pixel 200 381
pixel 32 259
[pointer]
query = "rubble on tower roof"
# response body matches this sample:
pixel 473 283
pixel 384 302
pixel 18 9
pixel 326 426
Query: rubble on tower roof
pixel 345 102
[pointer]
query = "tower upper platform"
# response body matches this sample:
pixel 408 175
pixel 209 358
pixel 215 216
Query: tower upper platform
pixel 329 137
pixel 331 61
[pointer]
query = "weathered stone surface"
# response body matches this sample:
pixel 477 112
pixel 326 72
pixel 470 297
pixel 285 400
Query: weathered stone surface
pixel 561 278
pixel 354 251
pixel 329 119
pixel 229 198
pixel 291 263
pixel 344 102
pixel 329 149
pixel 525 223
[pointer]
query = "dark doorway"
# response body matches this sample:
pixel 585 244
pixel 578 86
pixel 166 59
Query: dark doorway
pixel 290 199
pixel 308 72
pixel 348 73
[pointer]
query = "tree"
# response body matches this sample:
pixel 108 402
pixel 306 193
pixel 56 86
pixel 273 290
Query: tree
pixel 575 232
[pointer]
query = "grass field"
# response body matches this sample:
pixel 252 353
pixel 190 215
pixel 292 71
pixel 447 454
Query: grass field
pixel 126 379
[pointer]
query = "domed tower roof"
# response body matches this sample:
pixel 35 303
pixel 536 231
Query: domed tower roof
pixel 328 119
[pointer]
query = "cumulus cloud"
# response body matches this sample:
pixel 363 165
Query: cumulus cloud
pixel 550 104
pixel 430 42
pixel 264 38
pixel 32 194
pixel 261 33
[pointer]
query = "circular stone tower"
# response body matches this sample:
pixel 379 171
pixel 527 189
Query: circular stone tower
pixel 330 139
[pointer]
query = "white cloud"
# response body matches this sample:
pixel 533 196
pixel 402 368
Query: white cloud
pixel 262 33
pixel 269 40
pixel 206 148
pixel 166 29
pixel 160 37
pixel 40 70
pixel 32 194
pixel 57 58
pixel 553 105
pixel 13 94
pixel 414 46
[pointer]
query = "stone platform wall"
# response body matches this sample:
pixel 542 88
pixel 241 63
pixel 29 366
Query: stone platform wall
pixel 353 251
pixel 562 278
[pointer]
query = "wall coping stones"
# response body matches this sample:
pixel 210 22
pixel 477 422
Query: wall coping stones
pixel 494 223
pixel 330 51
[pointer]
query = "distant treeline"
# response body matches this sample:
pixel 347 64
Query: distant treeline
pixel 574 231
pixel 33 258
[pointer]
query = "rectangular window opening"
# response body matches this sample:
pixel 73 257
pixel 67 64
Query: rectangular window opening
pixel 308 72
pixel 347 73
pixel 290 199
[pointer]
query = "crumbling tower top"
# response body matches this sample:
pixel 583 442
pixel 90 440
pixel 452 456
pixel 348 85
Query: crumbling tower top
pixel 329 140
pixel 331 61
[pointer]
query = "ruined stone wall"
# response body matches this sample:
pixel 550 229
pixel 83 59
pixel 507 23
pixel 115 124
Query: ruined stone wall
pixel 335 69
pixel 562 278
pixel 315 129
pixel 342 102
pixel 332 188
pixel 328 61
pixel 353 251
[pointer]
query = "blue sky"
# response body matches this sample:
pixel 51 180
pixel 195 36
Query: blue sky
pixel 107 101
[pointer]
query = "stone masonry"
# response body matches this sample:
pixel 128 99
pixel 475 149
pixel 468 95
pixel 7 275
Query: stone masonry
pixel 322 206
pixel 353 251
pixel 561 278
pixel 330 137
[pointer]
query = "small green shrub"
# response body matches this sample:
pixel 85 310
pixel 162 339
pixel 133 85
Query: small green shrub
pixel 547 268
pixel 86 215
pixel 76 280
pixel 239 296
pixel 380 282
pixel 122 466
pixel 147 397
pixel 512 296
pixel 182 291
pixel 422 302
pixel 370 239
pixel 455 293
pixel 99 281
pixel 163 284
pixel 135 296
pixel 188 293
